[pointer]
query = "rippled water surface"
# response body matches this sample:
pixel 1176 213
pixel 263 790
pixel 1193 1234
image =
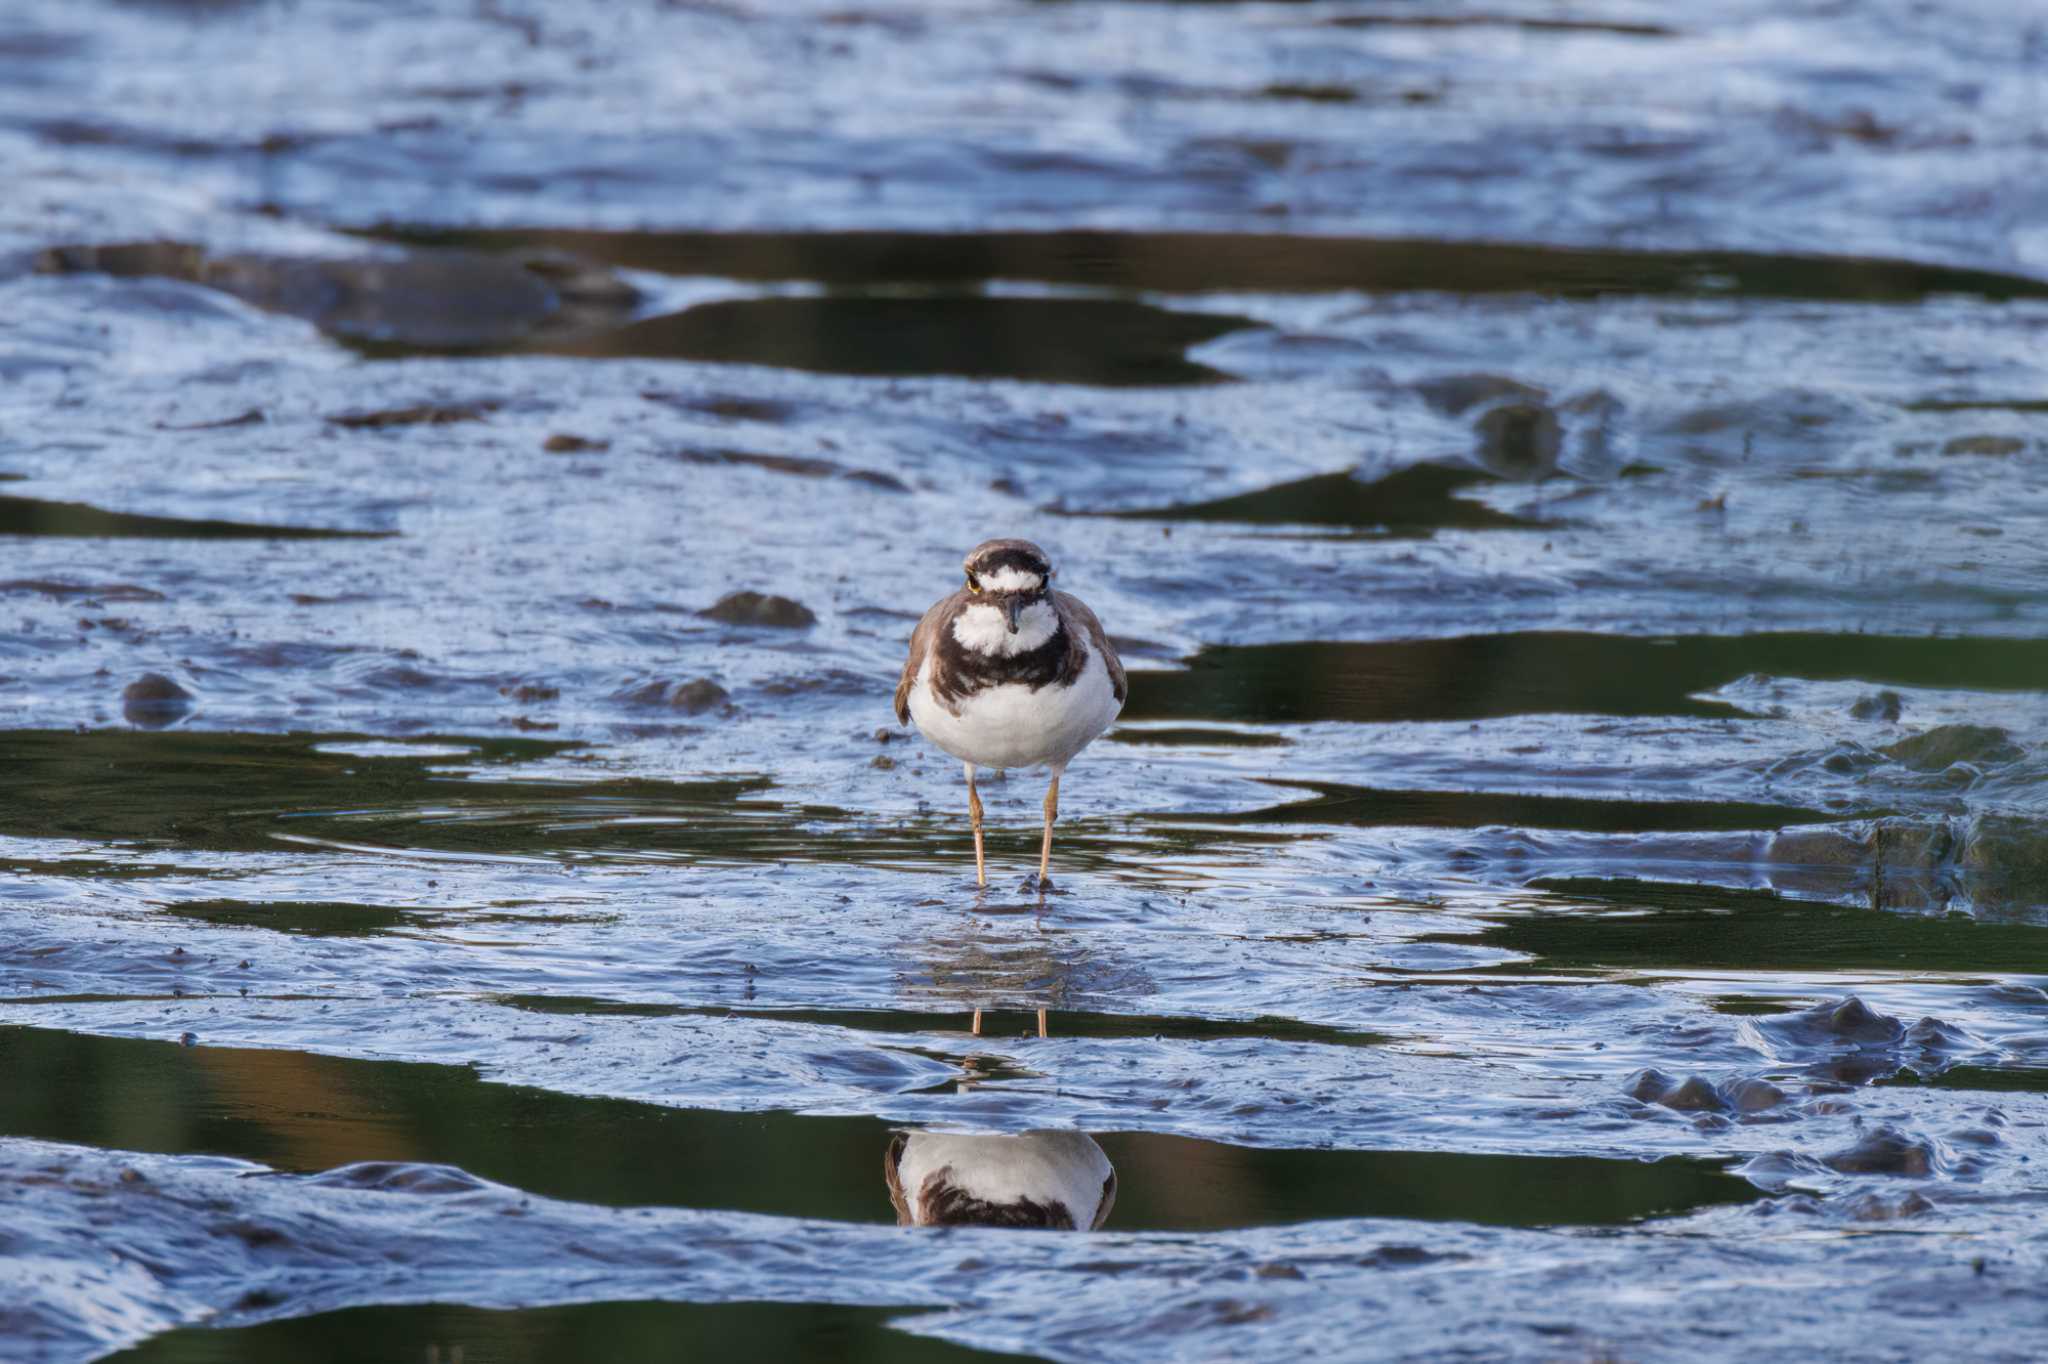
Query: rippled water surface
pixel 1570 880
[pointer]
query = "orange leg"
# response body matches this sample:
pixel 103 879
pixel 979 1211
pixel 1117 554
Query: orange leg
pixel 974 814
pixel 1052 812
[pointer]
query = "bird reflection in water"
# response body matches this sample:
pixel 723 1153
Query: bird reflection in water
pixel 1059 1181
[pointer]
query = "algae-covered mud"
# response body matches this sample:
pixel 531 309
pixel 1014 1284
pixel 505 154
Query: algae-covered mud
pixel 1570 881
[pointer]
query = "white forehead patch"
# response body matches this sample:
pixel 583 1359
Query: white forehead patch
pixel 1009 580
pixel 985 630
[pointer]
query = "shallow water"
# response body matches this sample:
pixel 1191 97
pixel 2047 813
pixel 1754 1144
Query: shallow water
pixel 1568 881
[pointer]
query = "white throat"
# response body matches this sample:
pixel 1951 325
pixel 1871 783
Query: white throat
pixel 983 629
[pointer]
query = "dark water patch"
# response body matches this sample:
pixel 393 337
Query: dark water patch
pixel 1302 1186
pixel 1474 677
pixel 1416 501
pixel 101 997
pixel 1107 342
pixel 124 260
pixel 229 792
pixel 28 516
pixel 1993 446
pixel 93 594
pixel 1652 927
pixel 386 305
pixel 225 792
pixel 1979 405
pixel 1992 1079
pixel 326 919
pixel 726 406
pixel 995 1022
pixel 1369 807
pixel 1751 1006
pixel 808 1333
pixel 1197 262
pixel 1188 736
pixel 425 414
pixel 1308 93
pixel 1526 23
pixel 93 869
pixel 253 416
pixel 798 465
pixel 301 1112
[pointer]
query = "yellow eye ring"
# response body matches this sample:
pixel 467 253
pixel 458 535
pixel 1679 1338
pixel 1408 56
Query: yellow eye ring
pixel 972 585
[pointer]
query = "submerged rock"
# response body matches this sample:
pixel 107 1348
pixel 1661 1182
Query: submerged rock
pixel 1884 705
pixel 1875 1207
pixel 2009 846
pixel 697 695
pixel 392 1176
pixel 1887 1151
pixel 163 259
pixel 1939 1035
pixel 1832 1023
pixel 1945 745
pixel 1984 445
pixel 1697 1094
pixel 153 701
pixel 1906 845
pixel 1752 1095
pixel 1519 441
pixel 425 414
pixel 760 608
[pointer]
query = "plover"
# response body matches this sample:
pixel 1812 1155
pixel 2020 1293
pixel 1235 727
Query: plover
pixel 1008 672
pixel 1057 1180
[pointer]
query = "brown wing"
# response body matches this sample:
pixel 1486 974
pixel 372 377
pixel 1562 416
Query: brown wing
pixel 922 641
pixel 1075 613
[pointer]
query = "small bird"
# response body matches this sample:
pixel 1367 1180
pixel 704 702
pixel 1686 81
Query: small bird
pixel 1058 1181
pixel 1007 672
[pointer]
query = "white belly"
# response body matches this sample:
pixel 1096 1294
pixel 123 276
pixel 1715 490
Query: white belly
pixel 1014 726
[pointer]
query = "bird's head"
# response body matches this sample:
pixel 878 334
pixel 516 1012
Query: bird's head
pixel 1008 583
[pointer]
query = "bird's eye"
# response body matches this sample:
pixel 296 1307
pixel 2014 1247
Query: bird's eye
pixel 972 584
